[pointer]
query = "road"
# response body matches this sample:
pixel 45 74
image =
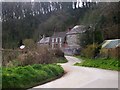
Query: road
pixel 83 77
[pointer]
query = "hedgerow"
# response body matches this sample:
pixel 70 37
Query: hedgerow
pixel 28 76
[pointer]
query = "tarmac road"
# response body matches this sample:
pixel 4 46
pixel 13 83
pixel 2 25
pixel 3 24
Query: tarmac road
pixel 83 77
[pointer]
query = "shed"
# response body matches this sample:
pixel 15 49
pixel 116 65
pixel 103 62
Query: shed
pixel 111 43
pixel 110 48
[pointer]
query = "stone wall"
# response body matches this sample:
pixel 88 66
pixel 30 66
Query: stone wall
pixel 72 40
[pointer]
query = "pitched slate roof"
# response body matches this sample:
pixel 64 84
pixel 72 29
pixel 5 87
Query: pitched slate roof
pixel 77 29
pixel 59 34
pixel 111 43
pixel 44 40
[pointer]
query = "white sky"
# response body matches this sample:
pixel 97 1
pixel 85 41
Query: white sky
pixel 59 0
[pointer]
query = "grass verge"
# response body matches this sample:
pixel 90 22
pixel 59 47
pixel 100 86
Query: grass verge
pixel 110 64
pixel 61 60
pixel 29 76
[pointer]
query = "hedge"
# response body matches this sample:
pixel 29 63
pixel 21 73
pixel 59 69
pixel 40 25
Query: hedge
pixel 29 76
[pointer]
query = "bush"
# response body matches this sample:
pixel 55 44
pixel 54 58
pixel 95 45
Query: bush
pixel 9 56
pixel 31 75
pixel 91 51
pixel 58 52
pixel 56 69
pixel 29 44
pixel 38 55
pixel 49 71
pixel 42 55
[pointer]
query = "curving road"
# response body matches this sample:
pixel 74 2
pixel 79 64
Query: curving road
pixel 83 77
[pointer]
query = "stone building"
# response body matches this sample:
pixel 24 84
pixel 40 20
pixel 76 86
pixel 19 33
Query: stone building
pixel 45 41
pixel 73 39
pixel 68 41
pixel 58 40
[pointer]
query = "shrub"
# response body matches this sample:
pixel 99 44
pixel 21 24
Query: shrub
pixel 29 44
pixel 58 52
pixel 42 55
pixel 37 66
pixel 48 70
pixel 56 69
pixel 31 75
pixel 91 51
pixel 9 56
pixel 38 55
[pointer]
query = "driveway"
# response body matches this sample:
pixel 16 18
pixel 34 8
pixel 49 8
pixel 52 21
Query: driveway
pixel 83 77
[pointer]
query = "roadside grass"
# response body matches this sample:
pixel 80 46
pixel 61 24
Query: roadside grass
pixel 80 57
pixel 110 64
pixel 30 75
pixel 61 60
pixel 0 77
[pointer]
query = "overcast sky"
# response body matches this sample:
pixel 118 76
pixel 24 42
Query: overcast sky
pixel 59 0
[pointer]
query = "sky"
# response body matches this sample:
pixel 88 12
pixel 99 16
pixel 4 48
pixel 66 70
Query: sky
pixel 59 0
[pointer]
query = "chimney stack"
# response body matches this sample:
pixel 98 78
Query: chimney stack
pixel 69 29
pixel 43 36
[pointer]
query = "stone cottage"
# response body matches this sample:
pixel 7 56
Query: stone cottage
pixel 73 39
pixel 68 41
pixel 58 40
pixel 45 41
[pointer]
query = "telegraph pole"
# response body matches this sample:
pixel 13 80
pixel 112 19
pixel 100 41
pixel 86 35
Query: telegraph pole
pixel 94 40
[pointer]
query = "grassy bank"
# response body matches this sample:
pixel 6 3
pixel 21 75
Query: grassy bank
pixel 110 64
pixel 61 60
pixel 29 76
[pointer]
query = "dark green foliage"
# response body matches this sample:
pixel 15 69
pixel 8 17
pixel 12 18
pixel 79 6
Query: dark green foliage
pixel 21 20
pixel 56 69
pixel 31 75
pixel 103 17
pixel 37 66
pixel 111 64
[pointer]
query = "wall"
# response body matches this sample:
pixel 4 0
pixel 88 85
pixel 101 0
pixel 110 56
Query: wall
pixel 111 53
pixel 72 40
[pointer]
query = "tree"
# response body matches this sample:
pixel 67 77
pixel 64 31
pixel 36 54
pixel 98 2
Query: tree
pixel 29 43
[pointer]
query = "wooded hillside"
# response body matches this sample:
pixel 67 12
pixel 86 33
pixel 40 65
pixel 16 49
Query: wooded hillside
pixel 23 20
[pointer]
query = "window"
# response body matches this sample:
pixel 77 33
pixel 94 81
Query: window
pixel 56 39
pixel 60 40
pixel 52 39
